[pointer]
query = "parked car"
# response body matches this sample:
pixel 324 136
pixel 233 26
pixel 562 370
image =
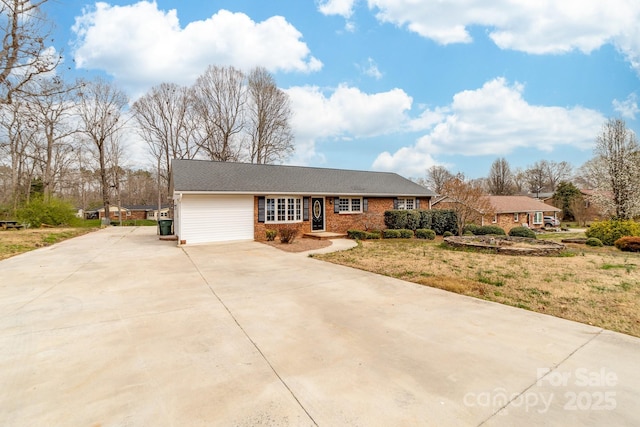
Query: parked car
pixel 550 221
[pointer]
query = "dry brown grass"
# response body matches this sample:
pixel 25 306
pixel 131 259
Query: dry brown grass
pixel 14 242
pixel 599 287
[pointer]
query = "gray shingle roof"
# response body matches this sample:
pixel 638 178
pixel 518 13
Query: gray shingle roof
pixel 246 178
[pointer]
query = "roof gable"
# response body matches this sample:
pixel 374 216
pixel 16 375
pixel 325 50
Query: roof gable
pixel 247 178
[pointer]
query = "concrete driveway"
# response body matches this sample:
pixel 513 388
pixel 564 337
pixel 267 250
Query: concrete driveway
pixel 117 328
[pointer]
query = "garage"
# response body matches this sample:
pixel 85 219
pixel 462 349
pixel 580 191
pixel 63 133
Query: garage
pixel 214 218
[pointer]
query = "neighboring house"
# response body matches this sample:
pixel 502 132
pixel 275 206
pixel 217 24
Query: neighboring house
pixel 223 201
pixel 113 213
pixel 510 211
pixel 148 212
pixel 513 211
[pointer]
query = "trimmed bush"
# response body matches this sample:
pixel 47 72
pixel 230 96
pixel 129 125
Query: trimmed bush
pixel 468 233
pixel 406 234
pixel 489 229
pixel 425 233
pixel 593 241
pixel 396 219
pixel 288 233
pixel 391 234
pixel 470 229
pixel 447 234
pixel 522 232
pixel 373 235
pixel 610 231
pixel 271 235
pixel 413 220
pixel 357 234
pixel 628 244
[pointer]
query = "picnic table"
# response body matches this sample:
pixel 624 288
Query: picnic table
pixel 10 224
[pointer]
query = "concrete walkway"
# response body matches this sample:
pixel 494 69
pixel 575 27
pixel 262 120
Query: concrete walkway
pixel 117 328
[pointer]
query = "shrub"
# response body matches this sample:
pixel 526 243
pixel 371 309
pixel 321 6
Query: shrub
pixel 470 229
pixel 628 244
pixel 357 234
pixel 468 233
pixel 610 231
pixel 406 234
pixel 38 212
pixel 426 219
pixel 395 219
pixel 522 232
pixel 593 241
pixel 447 234
pixel 373 235
pixel 288 233
pixel 425 233
pixel 413 220
pixel 391 234
pixel 271 235
pixel 489 229
pixel 444 220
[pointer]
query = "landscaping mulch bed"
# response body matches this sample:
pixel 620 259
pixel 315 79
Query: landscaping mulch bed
pixel 299 245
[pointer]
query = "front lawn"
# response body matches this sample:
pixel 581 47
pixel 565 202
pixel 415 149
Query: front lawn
pixel 597 286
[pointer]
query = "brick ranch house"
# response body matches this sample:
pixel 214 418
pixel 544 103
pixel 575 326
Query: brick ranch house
pixel 224 201
pixel 510 211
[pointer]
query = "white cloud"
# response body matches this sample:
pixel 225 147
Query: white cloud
pixel 345 114
pixel 532 26
pixel 627 108
pixel 342 8
pixel 141 45
pixel 370 68
pixel 492 120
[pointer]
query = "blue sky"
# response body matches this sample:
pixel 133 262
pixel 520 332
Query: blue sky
pixel 393 85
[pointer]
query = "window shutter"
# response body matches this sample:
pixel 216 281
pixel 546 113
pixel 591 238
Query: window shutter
pixel 336 205
pixel 305 209
pixel 260 209
pixel 417 203
pixel 365 204
pixel 395 204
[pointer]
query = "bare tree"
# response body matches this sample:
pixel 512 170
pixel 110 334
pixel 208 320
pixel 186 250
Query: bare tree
pixel 556 172
pixel 436 177
pixel 49 107
pixel 269 112
pixel 619 152
pixel 519 178
pixel 467 200
pixel 166 124
pixel 19 131
pixel 500 179
pixel 24 54
pixel 100 111
pixel 536 178
pixel 220 98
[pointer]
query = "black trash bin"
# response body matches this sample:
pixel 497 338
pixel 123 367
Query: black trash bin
pixel 165 227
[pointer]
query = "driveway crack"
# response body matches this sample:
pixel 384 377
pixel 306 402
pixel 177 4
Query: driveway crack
pixel 255 345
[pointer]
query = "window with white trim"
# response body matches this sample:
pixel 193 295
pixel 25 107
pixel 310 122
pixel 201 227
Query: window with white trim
pixel 537 218
pixel 350 205
pixel 283 209
pixel 495 219
pixel 516 217
pixel 406 203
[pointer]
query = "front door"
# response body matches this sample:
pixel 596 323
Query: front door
pixel 317 214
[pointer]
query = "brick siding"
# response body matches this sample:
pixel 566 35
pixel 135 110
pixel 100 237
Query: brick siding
pixel 373 219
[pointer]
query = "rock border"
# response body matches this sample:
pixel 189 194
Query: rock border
pixel 506 245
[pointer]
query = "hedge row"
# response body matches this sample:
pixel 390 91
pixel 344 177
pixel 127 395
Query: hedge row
pixel 436 220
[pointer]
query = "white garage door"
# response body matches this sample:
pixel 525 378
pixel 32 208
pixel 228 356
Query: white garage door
pixel 216 218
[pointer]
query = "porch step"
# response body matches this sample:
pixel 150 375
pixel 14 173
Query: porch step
pixel 324 235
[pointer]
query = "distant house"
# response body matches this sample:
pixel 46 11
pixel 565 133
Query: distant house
pixel 513 211
pixel 224 201
pixel 510 211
